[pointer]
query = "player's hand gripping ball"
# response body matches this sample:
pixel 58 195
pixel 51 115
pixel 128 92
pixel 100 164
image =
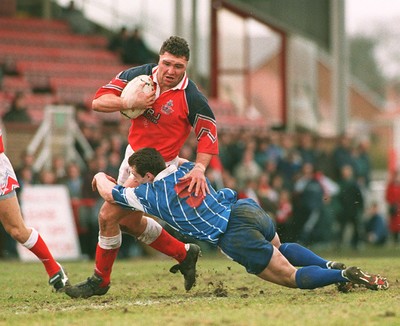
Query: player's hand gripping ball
pixel 130 93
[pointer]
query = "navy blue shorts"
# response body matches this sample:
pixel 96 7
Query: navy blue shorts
pixel 248 235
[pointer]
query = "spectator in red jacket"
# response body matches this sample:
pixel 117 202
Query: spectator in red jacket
pixel 393 201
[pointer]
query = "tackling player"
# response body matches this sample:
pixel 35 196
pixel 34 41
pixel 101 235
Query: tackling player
pixel 240 228
pixel 13 223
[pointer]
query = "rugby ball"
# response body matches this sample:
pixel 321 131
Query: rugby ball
pixel 130 92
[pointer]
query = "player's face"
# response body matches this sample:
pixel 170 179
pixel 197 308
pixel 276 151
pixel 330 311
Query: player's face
pixel 171 70
pixel 138 178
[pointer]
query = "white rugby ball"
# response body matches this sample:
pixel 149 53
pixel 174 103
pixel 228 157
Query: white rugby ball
pixel 130 91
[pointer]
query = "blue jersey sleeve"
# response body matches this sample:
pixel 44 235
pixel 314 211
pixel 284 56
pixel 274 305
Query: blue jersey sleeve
pixel 127 198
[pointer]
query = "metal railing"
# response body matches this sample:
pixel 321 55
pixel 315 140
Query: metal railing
pixel 58 134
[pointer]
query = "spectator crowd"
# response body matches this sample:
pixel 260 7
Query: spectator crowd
pixel 316 190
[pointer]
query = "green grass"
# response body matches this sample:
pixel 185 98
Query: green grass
pixel 143 292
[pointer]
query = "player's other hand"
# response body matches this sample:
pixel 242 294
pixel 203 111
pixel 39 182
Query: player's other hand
pixel 102 174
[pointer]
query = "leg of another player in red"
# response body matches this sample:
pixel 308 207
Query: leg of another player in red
pixel 11 218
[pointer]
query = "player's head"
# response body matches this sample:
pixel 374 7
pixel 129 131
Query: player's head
pixel 144 161
pixel 176 46
pixel 174 58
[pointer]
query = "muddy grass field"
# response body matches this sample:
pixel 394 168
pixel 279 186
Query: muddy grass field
pixel 143 292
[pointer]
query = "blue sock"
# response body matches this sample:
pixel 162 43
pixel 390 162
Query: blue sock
pixel 298 255
pixel 311 277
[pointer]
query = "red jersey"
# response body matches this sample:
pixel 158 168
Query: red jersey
pixel 167 124
pixel 8 180
pixel 1 143
pixel 393 199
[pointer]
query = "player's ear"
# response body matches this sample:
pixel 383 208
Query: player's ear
pixel 150 176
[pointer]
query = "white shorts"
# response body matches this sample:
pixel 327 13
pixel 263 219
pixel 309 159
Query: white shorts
pixel 8 179
pixel 124 170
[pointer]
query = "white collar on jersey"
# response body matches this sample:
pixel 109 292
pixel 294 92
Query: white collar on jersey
pixel 182 85
pixel 166 172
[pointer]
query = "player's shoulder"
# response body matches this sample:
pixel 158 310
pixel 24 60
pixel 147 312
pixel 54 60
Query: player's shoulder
pixel 194 96
pixel 192 88
pixel 186 166
pixel 129 74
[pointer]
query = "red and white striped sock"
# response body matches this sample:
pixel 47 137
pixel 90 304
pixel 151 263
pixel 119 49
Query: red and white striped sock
pixel 106 254
pixel 36 245
pixel 156 237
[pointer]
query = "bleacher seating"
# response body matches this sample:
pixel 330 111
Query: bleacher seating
pixel 5 102
pixel 46 56
pixel 50 39
pixel 38 73
pixel 33 24
pixel 74 90
pixel 46 33
pixel 15 84
pixel 12 53
pixel 35 104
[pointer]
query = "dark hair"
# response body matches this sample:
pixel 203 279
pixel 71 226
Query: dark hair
pixel 176 46
pixel 147 160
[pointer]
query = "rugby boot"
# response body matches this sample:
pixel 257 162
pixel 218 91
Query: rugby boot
pixel 336 265
pixel 344 287
pixel 370 281
pixel 59 281
pixel 88 288
pixel 188 266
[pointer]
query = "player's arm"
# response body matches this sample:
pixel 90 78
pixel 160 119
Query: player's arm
pixel 104 184
pixel 204 125
pixel 197 174
pixel 202 161
pixel 206 132
pixel 114 194
pixel 108 97
pixel 112 103
pixel 109 103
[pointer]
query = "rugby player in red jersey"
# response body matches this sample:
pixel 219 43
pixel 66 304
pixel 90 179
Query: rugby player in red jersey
pixel 13 223
pixel 175 107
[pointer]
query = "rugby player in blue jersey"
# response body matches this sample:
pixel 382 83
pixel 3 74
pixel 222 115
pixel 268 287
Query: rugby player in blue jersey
pixel 240 228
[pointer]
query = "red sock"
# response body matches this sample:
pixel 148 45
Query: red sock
pixel 104 262
pixel 169 246
pixel 41 250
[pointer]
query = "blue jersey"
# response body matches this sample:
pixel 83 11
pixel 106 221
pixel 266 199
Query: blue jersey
pixel 168 199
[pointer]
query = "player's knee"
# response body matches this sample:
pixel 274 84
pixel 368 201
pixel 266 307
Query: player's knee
pixel 288 277
pixel 106 216
pixel 290 280
pixel 135 224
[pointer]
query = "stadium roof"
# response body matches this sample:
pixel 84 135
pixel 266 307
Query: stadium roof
pixel 309 18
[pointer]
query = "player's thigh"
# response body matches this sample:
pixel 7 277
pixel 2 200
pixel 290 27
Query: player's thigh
pixel 279 270
pixel 248 235
pixel 113 213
